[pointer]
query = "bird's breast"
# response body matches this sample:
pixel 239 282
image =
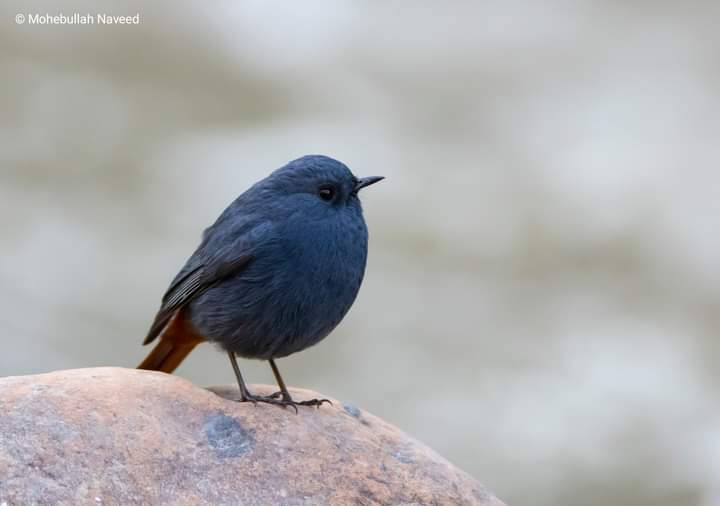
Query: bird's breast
pixel 295 291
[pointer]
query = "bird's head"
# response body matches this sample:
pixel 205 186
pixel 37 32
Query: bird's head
pixel 319 183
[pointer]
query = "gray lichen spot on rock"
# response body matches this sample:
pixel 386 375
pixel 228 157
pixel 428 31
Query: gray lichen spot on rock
pixel 403 457
pixel 355 413
pixel 351 410
pixel 226 435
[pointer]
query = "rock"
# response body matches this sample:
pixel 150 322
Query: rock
pixel 121 436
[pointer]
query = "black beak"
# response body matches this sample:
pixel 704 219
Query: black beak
pixel 366 181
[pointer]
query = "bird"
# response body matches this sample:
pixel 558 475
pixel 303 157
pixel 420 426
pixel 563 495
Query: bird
pixel 275 274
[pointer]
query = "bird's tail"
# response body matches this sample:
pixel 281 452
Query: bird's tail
pixel 167 355
pixel 177 340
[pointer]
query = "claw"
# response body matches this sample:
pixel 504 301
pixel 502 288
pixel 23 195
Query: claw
pixel 279 399
pixel 314 402
pixel 270 399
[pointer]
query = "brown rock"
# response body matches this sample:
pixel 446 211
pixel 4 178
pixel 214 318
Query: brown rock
pixel 120 436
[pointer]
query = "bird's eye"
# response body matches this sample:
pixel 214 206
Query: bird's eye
pixel 327 192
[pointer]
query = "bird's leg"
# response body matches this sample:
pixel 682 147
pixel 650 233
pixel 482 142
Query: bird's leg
pixel 246 396
pixel 284 395
pixel 244 392
pixel 283 392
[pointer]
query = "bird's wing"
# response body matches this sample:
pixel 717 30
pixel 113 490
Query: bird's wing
pixel 190 286
pixel 205 269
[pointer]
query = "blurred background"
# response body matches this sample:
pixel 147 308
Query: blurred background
pixel 542 300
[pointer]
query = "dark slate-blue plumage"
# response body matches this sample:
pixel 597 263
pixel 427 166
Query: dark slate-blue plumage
pixel 296 261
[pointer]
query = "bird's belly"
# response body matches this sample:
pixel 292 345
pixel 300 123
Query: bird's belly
pixel 269 316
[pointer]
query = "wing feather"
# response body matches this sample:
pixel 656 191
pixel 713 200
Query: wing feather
pixel 185 289
pixel 215 259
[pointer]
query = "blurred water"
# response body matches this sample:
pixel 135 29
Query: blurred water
pixel 542 297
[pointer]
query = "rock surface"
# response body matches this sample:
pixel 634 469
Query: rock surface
pixel 121 436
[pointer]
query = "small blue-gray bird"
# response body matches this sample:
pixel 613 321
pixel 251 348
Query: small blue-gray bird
pixel 275 274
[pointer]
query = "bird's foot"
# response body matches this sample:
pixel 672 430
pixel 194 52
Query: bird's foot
pixel 312 402
pixel 281 398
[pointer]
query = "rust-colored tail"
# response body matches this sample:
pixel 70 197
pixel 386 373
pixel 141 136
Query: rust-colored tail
pixel 176 343
pixel 166 356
